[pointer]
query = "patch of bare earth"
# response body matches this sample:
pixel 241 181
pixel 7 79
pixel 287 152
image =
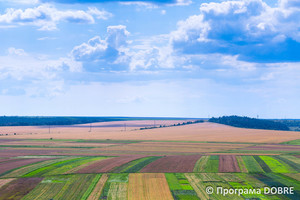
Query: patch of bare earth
pixel 173 164
pixel 228 163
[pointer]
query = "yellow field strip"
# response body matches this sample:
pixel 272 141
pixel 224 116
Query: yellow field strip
pixel 198 187
pixel 148 186
pixel 118 191
pixel 95 194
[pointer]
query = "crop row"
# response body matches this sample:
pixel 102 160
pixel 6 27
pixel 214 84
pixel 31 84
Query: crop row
pixel 40 167
pixel 183 186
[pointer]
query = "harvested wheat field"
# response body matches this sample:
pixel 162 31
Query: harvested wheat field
pixel 193 132
pixel 148 186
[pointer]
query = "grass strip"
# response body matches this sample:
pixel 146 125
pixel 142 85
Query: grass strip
pixel 262 163
pixel 276 166
pixel 212 164
pixel 41 171
pixel 252 165
pixel 91 187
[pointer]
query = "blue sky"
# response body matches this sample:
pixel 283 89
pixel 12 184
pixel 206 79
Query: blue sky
pixel 173 58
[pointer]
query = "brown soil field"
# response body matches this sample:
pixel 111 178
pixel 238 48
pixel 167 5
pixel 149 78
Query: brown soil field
pixel 228 163
pixel 194 132
pixel 148 186
pixel 108 165
pixel 173 164
pixel 9 165
pixel 5 181
pixel 18 188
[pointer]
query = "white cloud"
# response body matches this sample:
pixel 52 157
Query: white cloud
pixel 102 49
pixel 34 74
pixel 250 28
pixel 46 16
pixel 99 14
pixel 18 52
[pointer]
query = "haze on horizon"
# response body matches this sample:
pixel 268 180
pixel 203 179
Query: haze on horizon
pixel 172 58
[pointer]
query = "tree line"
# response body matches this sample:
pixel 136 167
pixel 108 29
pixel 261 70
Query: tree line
pixel 247 122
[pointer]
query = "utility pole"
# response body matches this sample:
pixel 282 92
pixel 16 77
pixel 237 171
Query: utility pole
pixel 90 128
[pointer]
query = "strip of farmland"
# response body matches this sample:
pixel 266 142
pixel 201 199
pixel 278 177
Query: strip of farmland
pixel 115 187
pixel 9 165
pixel 228 163
pixel 173 164
pixel 95 194
pixel 17 189
pixel 108 165
pixel 148 186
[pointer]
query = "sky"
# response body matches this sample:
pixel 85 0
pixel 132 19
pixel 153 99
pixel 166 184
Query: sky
pixel 154 58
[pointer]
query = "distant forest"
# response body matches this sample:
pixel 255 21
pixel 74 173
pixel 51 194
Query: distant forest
pixel 247 122
pixel 41 121
pixel 293 124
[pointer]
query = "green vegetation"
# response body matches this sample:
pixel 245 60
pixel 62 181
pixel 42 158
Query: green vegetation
pixel 276 166
pixel 180 187
pixel 39 121
pixel 28 168
pixel 246 122
pixel 71 165
pixel 212 164
pixel 78 185
pixel 263 165
pixel 46 169
pixel 136 165
pixel 293 124
pixel 178 124
pixel 292 161
pixel 47 120
pixel 273 180
pixel 115 187
pixel 200 164
pixel 91 187
pixel 48 188
pixel 292 142
pixel 251 164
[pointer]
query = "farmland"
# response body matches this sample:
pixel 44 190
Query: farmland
pixel 176 162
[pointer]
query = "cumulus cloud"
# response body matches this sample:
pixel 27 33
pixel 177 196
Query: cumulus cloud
pixel 46 16
pixel 107 49
pixel 21 71
pixel 19 65
pixel 251 29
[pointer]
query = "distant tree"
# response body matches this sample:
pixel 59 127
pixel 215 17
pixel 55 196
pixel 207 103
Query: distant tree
pixel 247 122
